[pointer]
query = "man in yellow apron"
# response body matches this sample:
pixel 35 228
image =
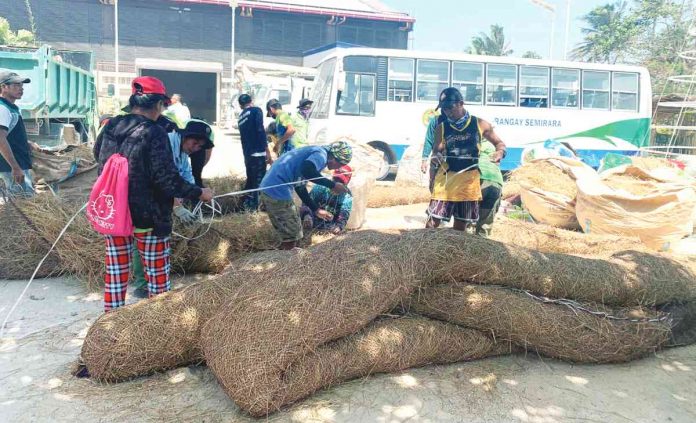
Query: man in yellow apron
pixel 457 186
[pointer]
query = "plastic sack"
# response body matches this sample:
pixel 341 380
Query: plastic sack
pixel 552 208
pixel 546 150
pixel 660 218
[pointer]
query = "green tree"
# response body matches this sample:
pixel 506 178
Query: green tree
pixel 658 49
pixel 20 38
pixel 493 44
pixel 531 55
pixel 609 33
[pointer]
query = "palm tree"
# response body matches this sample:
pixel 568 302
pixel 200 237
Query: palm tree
pixel 531 55
pixel 491 45
pixel 608 34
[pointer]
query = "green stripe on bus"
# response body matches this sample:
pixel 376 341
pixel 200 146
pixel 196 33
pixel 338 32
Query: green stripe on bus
pixel 634 131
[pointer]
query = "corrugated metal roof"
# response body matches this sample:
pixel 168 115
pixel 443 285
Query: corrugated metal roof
pixel 363 9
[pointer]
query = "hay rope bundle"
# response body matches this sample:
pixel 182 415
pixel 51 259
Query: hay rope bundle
pixel 552 330
pixel 385 345
pixel 22 246
pixel 277 310
pixel 81 249
pixel 549 239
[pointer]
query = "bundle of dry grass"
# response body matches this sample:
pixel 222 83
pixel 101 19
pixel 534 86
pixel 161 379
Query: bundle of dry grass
pixel 163 332
pixel 80 250
pixel 543 175
pixel 326 292
pixel 626 278
pixel 230 236
pixel 22 247
pixel 224 185
pixel 385 345
pixel 548 239
pixel 552 330
pixel 389 196
pixel 278 316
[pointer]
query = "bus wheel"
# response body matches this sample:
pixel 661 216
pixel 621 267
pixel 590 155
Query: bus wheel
pixel 388 159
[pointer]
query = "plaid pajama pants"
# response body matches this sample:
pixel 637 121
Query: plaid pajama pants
pixel 154 254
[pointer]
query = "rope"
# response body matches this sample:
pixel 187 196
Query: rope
pixel 575 306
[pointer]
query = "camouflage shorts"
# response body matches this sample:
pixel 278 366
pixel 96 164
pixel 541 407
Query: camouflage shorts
pixel 284 217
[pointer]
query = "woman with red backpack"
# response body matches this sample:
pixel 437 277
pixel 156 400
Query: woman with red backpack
pixel 141 148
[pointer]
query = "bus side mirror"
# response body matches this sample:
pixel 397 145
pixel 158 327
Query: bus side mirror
pixel 111 90
pixel 341 85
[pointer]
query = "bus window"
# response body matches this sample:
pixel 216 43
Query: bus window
pixel 534 86
pixel 468 77
pixel 321 94
pixel 433 77
pixel 565 88
pixel 501 85
pixel 400 79
pixel 625 91
pixel 358 95
pixel 595 90
pixel 283 96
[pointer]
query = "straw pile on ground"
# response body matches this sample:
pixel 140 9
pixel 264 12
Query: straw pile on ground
pixel 277 328
pixel 80 252
pixel 385 345
pixel 389 196
pixel 553 330
pixel 549 239
pixel 224 185
pixel 543 175
pixel 22 247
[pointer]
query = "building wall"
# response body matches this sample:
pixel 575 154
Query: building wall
pixel 184 31
pixel 160 29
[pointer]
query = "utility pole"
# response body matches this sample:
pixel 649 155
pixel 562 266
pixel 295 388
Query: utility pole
pixel 116 64
pixel 552 9
pixel 233 6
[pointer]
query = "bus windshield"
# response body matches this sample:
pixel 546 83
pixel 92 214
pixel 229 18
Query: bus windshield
pixel 321 94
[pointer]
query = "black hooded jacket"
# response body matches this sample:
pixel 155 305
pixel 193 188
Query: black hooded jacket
pixel 153 179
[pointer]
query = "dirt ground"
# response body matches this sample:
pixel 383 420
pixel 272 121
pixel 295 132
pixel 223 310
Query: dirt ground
pixel 45 334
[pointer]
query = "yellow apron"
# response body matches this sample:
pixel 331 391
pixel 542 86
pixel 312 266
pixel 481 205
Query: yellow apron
pixel 454 186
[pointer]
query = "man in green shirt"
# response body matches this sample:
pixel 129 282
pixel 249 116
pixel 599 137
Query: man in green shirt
pixel 491 189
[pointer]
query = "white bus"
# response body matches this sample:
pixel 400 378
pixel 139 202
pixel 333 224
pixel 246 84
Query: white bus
pixel 385 98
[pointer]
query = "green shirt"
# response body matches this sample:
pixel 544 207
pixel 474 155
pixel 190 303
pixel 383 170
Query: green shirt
pixel 489 170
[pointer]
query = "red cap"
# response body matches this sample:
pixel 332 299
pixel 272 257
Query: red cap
pixel 148 85
pixel 343 174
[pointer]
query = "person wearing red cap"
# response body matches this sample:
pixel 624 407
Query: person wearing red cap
pixel 153 184
pixel 338 206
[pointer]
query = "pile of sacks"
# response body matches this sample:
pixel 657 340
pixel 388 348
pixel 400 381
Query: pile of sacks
pixel 640 199
pixel 281 325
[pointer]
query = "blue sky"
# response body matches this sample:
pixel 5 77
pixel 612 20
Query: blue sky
pixel 449 25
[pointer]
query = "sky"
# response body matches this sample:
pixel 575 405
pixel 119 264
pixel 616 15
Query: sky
pixel 449 25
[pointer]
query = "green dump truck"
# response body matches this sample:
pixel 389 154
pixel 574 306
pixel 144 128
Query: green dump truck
pixel 59 105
